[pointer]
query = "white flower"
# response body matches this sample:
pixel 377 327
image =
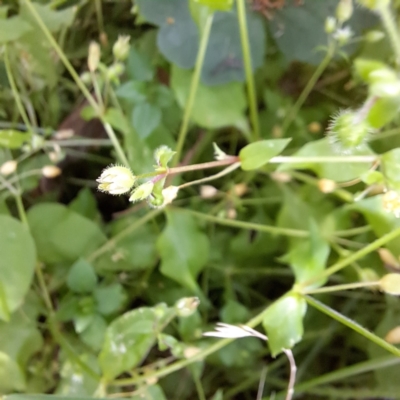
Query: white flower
pixel 234 331
pixel 342 35
pixel 170 194
pixel 116 180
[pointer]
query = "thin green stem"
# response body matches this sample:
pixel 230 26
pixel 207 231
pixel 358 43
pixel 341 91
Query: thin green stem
pixel 21 208
pixel 352 325
pixel 250 225
pixel 322 159
pixel 345 373
pixel 99 14
pixel 251 92
pixel 391 29
pixel 292 113
pixel 354 231
pixel 337 288
pixel 44 290
pixel 355 256
pixel 193 87
pixel 91 100
pixel 15 91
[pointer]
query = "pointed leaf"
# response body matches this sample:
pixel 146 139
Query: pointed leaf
pixel 81 277
pixel 283 322
pixel 257 154
pixel 183 249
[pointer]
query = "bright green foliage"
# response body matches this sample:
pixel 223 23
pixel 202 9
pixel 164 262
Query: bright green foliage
pixel 183 249
pixel 257 154
pixel 130 337
pixel 391 168
pixel 17 264
pixel 283 322
pixel 221 5
pixel 145 118
pixel 13 139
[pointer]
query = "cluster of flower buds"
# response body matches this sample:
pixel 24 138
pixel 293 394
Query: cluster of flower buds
pixel 120 180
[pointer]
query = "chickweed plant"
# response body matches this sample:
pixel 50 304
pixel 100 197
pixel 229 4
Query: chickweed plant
pixel 281 229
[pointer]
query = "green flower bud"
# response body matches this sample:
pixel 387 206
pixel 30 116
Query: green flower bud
pixel 186 306
pixel 142 192
pixel 163 156
pixel 121 48
pixel 94 56
pixel 344 10
pixel 115 71
pixel 330 24
pixel 116 180
pixel 349 131
pixel 390 283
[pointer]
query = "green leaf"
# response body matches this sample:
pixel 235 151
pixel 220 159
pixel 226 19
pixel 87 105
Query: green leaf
pixel 13 139
pixel 215 5
pixel 133 91
pixel 129 338
pixel 61 234
pixel 391 167
pixel 283 322
pixel 308 257
pixel 183 249
pixel 178 36
pixel 13 29
pixel 146 118
pixel 257 154
pixel 139 67
pixel 214 107
pixel 338 172
pixel 81 277
pixel 153 392
pixel 110 298
pixel 85 204
pixel 223 61
pixel 11 376
pixel 383 111
pixel 17 264
pixel 93 334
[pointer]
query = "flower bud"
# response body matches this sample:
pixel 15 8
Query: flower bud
pixel 8 167
pixel 326 185
pixel 94 56
pixel 391 202
pixel 170 194
pixel 142 192
pixel 240 189
pixel 186 306
pixel 121 48
pixel 163 156
pixel 344 10
pixel 374 36
pixel 348 131
pixel 330 24
pixel 115 71
pixel 64 134
pixel 208 191
pixel 116 180
pixel 51 171
pixel 393 336
pixel 390 283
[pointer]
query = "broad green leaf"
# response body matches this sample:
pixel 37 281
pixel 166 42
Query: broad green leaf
pixel 20 338
pixel 339 172
pixel 61 234
pixel 146 118
pixel 153 392
pixel 383 111
pixel 110 298
pixel 214 107
pixel 391 167
pixel 17 264
pixel 178 36
pixel 13 139
pixel 74 382
pixel 81 277
pixel 85 204
pixel 139 67
pixel 133 91
pixel 223 62
pixel 299 30
pixel 13 29
pixel 283 322
pixel 308 257
pixel 136 251
pixel 94 333
pixel 183 249
pixel 364 67
pixel 11 376
pixel 117 120
pixel 129 338
pixel 257 154
pixel 215 5
pixel 381 221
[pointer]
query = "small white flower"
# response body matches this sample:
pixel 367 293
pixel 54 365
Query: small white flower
pixel 342 35
pixel 170 194
pixel 116 180
pixel 229 331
